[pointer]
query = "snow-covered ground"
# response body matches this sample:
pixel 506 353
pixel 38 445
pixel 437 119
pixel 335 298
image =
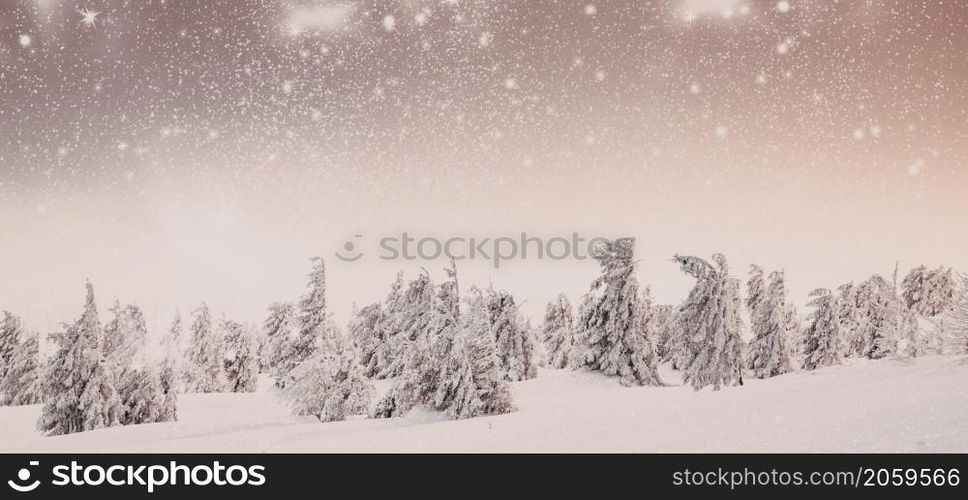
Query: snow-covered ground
pixel 876 406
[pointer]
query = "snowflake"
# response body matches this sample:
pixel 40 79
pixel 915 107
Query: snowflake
pixel 389 23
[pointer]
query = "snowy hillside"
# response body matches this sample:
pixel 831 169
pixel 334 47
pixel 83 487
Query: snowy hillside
pixel 891 405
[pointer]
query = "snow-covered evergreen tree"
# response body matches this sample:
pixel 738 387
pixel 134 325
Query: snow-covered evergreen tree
pixel 171 374
pixel 767 355
pixel 383 326
pixel 125 337
pixel 423 356
pixel 928 292
pixel 239 357
pixel 665 321
pixel 756 296
pixel 311 320
pixel 406 321
pixel 558 331
pixel 278 332
pixel 11 331
pixel 472 382
pixel 79 394
pixel 879 319
pixel 20 385
pixel 956 320
pixel 848 319
pixel 793 335
pixel 205 371
pixel 137 384
pixel 708 344
pixel 608 336
pixel 329 385
pixel 366 330
pixel 515 348
pixel 451 365
pixel 172 348
pixel 112 334
pixel 822 342
pixel 912 342
pixel 169 380
pixel 143 397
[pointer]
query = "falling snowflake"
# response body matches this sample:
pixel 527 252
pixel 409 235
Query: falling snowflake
pixel 389 23
pixel 915 168
pixel 88 17
pixel 485 39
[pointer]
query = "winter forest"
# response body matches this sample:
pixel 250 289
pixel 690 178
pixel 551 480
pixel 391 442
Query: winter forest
pixel 766 179
pixel 454 348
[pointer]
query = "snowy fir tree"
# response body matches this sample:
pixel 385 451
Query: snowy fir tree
pixel 848 319
pixel 406 322
pixel 329 385
pixel 450 366
pixel 366 331
pixel 515 347
pixel 423 356
pixel 376 330
pixel 11 331
pixel 472 381
pixel 956 320
pixel 170 384
pixel 277 329
pixel 912 342
pixel 172 348
pixel 144 398
pixel 930 338
pixel 793 334
pixel 205 370
pixel 822 342
pixel 125 337
pixel 767 354
pixel 138 385
pixel 928 292
pixel 558 331
pixel 239 357
pixel 648 325
pixel 608 336
pixel 79 394
pixel 171 373
pixel 665 321
pixel 311 320
pixel 878 319
pixel 113 333
pixel 756 296
pixel 20 384
pixel 708 345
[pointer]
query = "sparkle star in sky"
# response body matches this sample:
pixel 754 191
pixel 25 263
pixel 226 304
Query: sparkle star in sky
pixel 88 17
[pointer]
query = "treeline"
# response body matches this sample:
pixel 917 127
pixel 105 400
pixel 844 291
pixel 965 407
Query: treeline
pixel 456 350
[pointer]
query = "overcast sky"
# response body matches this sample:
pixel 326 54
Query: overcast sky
pixel 172 152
